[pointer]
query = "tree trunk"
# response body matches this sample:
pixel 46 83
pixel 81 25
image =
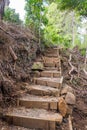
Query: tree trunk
pixel 3 3
pixel 40 29
pixel 73 35
pixel 2 6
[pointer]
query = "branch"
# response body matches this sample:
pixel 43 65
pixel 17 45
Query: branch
pixel 12 53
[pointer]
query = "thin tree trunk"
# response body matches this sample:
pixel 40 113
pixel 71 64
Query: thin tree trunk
pixel 85 59
pixel 40 29
pixel 73 35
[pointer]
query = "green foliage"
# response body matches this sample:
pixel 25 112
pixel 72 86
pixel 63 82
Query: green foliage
pixel 11 16
pixel 53 38
pixel 33 11
pixel 78 5
pixel 55 26
pixel 35 17
pixel 38 66
pixel 83 51
pixel 59 27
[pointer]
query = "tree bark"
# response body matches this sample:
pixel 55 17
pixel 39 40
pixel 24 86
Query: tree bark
pixel 2 6
pixel 3 3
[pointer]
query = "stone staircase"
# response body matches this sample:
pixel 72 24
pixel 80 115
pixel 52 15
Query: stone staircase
pixel 38 108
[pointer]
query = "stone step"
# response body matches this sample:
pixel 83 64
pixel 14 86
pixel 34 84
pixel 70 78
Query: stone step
pixel 45 102
pixel 46 81
pixel 42 90
pixel 52 74
pixel 33 118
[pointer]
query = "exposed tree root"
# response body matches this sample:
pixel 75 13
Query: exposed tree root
pixel 73 68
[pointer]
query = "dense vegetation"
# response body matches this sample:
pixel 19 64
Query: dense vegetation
pixel 55 26
pixel 55 22
pixel 80 6
pixel 11 16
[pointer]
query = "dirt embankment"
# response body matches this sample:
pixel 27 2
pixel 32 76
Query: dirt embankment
pixel 18 47
pixel 77 80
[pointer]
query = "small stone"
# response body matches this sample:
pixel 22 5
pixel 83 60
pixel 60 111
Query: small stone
pixel 62 106
pixel 66 89
pixel 70 98
pixel 69 110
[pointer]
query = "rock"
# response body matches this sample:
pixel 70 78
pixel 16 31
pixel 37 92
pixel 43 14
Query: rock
pixel 70 98
pixel 38 66
pixel 62 106
pixel 35 73
pixel 69 110
pixel 66 89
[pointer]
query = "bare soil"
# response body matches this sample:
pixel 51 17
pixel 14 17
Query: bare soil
pixel 79 83
pixel 15 63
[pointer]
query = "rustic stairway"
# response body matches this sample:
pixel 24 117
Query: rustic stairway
pixel 38 108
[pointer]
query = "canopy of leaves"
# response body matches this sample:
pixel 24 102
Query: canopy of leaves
pixel 33 8
pixel 59 28
pixel 55 26
pixel 11 16
pixel 79 5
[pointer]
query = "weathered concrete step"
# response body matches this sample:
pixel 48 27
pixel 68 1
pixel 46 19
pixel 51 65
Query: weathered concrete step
pixel 45 102
pixel 53 73
pixel 52 82
pixel 34 118
pixel 42 90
